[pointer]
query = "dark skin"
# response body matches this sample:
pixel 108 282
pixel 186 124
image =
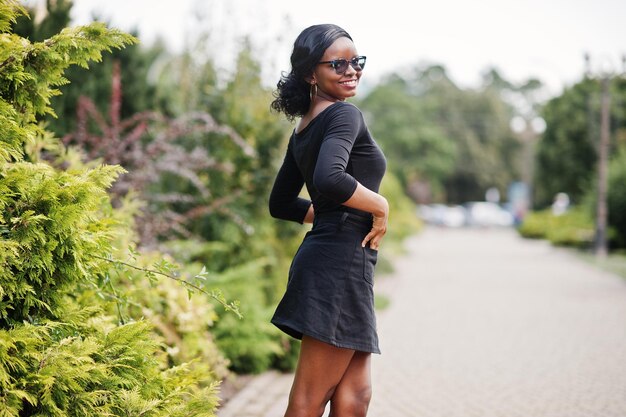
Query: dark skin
pixel 324 372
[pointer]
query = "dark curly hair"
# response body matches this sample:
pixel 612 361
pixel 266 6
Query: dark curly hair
pixel 292 91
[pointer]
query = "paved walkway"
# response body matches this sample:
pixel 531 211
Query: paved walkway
pixel 483 323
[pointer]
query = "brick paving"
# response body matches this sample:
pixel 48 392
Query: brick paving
pixel 483 323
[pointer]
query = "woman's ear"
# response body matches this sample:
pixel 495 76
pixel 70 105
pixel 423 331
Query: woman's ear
pixel 310 79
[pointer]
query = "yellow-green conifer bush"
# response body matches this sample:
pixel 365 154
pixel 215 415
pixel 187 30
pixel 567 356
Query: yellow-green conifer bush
pixel 62 353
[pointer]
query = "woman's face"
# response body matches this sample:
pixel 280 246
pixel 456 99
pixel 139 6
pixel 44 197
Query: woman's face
pixel 339 86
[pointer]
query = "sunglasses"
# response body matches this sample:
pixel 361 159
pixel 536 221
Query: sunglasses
pixel 341 65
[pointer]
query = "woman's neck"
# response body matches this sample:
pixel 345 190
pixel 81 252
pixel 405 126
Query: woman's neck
pixel 326 97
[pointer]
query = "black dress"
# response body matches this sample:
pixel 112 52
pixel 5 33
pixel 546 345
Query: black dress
pixel 329 293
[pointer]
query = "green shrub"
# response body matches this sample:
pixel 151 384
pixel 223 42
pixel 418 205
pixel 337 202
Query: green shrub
pixel 403 220
pixel 577 227
pixel 250 344
pixel 536 224
pixel 62 353
pixel 573 228
pixel 287 360
pixel 182 322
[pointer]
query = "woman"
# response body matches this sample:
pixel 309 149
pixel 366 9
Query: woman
pixel 329 301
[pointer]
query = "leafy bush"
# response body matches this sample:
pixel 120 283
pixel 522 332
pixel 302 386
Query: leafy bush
pixel 535 224
pixel 61 351
pixel 250 344
pixel 573 228
pixel 576 227
pixel 403 220
pixel 183 322
pixel 61 354
pixel 51 227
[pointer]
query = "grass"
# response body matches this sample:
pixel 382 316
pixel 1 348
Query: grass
pixel 614 262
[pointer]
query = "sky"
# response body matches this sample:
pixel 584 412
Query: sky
pixel 520 38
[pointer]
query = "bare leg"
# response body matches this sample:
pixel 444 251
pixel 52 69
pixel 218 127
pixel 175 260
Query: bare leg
pixel 352 395
pixel 320 369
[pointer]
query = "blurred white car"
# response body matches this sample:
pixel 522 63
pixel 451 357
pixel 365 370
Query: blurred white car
pixel 454 216
pixel 482 213
pixel 442 215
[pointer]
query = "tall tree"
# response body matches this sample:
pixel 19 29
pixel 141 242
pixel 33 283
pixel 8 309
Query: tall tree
pixel 458 140
pixel 94 83
pixel 567 153
pixel 38 27
pixel 418 151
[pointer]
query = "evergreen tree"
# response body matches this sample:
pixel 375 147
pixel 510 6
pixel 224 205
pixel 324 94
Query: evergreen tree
pixel 61 353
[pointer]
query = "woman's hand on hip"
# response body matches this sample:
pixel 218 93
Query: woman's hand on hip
pixel 379 228
pixel 371 202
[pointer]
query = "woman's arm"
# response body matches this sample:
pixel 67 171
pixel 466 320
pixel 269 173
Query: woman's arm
pixel 284 202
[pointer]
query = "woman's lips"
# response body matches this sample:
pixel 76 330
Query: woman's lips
pixel 350 83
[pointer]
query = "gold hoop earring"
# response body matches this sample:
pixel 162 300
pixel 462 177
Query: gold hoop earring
pixel 313 92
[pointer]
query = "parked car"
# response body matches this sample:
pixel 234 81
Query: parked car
pixel 455 216
pixel 443 215
pixel 486 214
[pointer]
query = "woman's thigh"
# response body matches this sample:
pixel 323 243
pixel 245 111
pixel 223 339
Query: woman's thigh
pixel 320 369
pixel 353 393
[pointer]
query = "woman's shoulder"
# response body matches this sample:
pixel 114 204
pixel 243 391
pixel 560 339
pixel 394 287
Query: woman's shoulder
pixel 344 110
pixel 344 106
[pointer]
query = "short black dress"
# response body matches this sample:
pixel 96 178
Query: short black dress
pixel 329 293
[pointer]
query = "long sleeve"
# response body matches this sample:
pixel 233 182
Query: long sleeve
pixel 285 202
pixel 330 177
